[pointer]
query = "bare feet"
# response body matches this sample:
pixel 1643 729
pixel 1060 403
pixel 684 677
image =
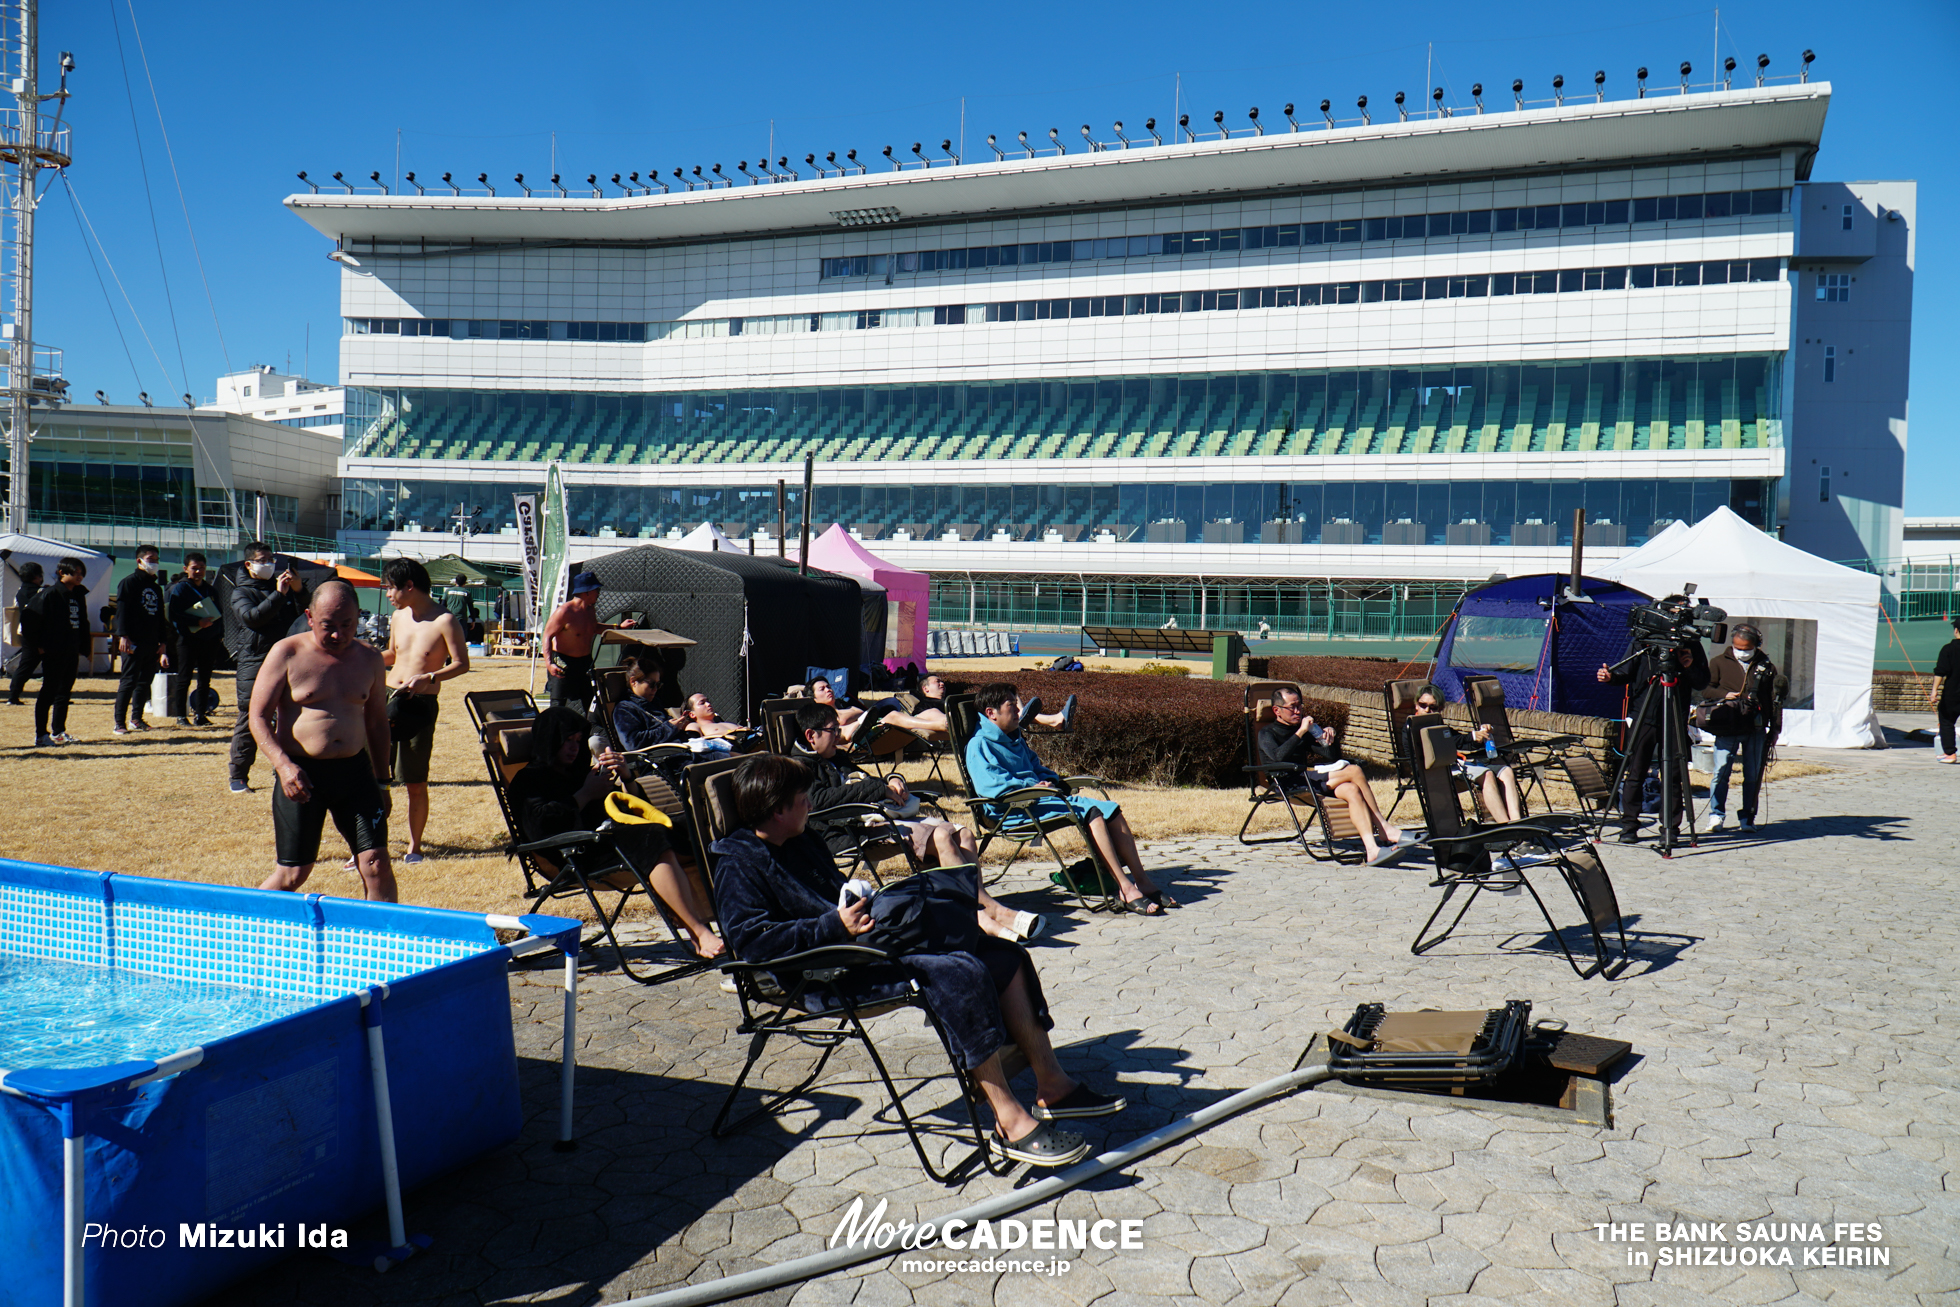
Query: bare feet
pixel 709 946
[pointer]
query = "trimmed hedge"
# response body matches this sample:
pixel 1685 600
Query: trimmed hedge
pixel 1368 674
pixel 1159 730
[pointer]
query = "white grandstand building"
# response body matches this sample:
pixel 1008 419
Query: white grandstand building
pixel 1321 376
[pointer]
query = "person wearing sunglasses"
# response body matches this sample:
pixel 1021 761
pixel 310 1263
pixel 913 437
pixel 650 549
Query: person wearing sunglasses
pixel 1496 778
pixel 1294 736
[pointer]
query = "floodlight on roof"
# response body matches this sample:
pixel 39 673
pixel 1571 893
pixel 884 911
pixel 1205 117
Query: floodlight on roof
pixel 1517 90
pixel 1401 105
pixel 558 186
pixel 743 168
pixel 1218 121
pixel 519 179
pixel 1253 114
pixel 1477 95
pixel 1686 68
pixel 1326 107
pixel 1119 134
pixel 144 395
pixel 1150 125
pixel 1000 156
pixel 101 398
pixel 1093 147
pixel 946 148
pixel 417 185
pixel 1599 86
pixel 1055 138
pixel 789 172
pixel 1184 121
pixel 620 184
pixel 1558 89
pixel 1762 64
pixel 1803 74
pixel 874 217
pixel 1025 146
pixel 1361 103
pixel 1728 71
pixel 314 185
pixel 344 182
pixel 1640 80
pixel 1443 110
pixel 483 180
pixel 375 177
pixel 451 185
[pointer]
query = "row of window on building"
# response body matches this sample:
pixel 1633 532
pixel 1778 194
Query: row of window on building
pixel 1233 240
pixel 1647 276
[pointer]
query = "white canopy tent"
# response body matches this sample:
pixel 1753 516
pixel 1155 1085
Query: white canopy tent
pixel 39 549
pixel 707 539
pixel 1819 619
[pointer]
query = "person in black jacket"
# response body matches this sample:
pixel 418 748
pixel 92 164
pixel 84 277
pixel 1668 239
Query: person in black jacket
pixel 199 639
pixel 1688 666
pixel 563 788
pixel 142 636
pixel 30 626
pixel 63 631
pixel 637 722
pixel 778 892
pixel 1502 798
pixel 265 608
pixel 1293 736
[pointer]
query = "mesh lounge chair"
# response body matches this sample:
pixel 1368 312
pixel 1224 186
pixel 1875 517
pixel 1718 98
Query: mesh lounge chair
pixel 875 840
pixel 575 863
pixel 499 706
pixel 1485 695
pixel 1399 701
pixel 817 999
pixel 1285 784
pixel 1499 859
pixel 1011 816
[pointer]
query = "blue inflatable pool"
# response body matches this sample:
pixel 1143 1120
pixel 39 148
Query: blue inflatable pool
pixel 200 1079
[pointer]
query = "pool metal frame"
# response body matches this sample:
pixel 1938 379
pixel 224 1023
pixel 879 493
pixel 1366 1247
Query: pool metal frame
pixel 71 1095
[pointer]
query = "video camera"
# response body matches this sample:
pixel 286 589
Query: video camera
pixel 1670 624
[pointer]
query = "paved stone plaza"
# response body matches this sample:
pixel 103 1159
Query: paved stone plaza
pixel 1792 1012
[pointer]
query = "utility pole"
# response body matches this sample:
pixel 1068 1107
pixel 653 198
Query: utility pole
pixel 27 145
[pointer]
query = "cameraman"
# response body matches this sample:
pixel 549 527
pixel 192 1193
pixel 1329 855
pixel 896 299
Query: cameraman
pixel 1688 663
pixel 1742 708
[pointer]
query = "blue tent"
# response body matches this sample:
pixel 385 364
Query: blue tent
pixel 1544 653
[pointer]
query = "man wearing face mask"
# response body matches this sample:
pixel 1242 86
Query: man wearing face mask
pixel 140 637
pixel 265 606
pixel 1742 708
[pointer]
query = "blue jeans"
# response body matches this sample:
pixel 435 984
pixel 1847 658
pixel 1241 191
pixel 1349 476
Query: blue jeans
pixel 1751 748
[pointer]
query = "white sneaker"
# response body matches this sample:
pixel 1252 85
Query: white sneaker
pixel 1029 924
pixel 1716 821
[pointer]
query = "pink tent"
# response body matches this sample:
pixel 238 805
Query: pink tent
pixel 909 594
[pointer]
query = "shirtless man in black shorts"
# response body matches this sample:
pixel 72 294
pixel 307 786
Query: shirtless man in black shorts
pixel 320 714
pixel 568 640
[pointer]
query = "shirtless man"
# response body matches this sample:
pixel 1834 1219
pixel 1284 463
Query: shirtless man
pixel 568 640
pixel 701 720
pixel 426 646
pixel 319 713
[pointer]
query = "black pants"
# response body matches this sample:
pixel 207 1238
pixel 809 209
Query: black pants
pixel 1675 799
pixel 57 687
pixel 244 749
pixel 197 656
pixel 30 659
pixel 1949 713
pixel 138 671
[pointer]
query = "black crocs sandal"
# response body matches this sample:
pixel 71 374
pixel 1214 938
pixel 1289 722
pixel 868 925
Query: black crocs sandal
pixel 1162 900
pixel 1081 1101
pixel 1043 1146
pixel 1141 905
pixel 1068 717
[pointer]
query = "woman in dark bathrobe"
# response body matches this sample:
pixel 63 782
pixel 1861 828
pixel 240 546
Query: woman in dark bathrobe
pixel 776 892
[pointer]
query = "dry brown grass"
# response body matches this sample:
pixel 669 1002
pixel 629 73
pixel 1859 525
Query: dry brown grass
pixel 156 804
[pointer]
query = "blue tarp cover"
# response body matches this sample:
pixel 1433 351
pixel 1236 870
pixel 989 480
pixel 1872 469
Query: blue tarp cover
pixel 1544 654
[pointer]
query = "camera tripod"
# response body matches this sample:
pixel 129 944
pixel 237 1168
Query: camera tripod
pixel 1657 713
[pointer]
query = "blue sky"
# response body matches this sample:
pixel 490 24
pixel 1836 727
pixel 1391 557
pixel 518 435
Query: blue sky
pixel 250 94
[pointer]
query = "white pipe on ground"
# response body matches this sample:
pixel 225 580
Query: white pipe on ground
pixel 992 1209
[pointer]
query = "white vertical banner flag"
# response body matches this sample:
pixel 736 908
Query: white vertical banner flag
pixel 527 535
pixel 553 580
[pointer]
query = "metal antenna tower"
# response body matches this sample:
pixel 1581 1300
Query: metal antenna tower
pixel 29 143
